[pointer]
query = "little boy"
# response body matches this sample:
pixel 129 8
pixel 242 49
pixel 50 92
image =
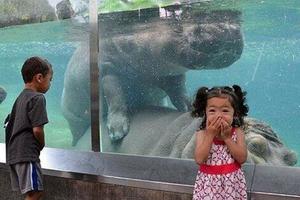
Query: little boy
pixel 25 129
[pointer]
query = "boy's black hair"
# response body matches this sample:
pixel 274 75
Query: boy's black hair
pixel 34 65
pixel 236 96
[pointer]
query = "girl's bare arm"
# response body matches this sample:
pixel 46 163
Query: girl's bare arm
pixel 237 149
pixel 205 138
pixel 203 146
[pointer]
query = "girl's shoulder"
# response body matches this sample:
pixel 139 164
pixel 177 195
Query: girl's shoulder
pixel 238 130
pixel 199 131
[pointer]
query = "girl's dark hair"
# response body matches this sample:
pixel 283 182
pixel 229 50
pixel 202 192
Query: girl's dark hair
pixel 33 66
pixel 235 95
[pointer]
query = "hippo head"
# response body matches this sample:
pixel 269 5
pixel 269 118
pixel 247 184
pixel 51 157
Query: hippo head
pixel 264 145
pixel 211 40
pixel 2 94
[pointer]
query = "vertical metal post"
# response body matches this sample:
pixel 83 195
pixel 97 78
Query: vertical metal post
pixel 94 75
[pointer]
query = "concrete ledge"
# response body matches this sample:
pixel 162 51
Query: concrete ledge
pixel 91 175
pixel 71 189
pixel 164 174
pixel 276 180
pixel 272 196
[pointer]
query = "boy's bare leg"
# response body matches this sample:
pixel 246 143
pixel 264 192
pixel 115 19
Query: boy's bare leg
pixel 33 195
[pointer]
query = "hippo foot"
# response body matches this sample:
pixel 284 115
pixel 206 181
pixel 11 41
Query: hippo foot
pixel 118 126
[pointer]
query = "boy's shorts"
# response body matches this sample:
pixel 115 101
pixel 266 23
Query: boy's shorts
pixel 26 176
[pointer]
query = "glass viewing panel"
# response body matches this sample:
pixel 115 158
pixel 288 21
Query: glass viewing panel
pixel 153 57
pixel 50 30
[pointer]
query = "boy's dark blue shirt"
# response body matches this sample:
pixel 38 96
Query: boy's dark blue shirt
pixel 29 111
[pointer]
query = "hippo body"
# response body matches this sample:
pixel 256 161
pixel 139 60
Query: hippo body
pixel 165 132
pixel 142 62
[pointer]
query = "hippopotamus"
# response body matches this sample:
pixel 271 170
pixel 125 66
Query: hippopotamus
pixel 2 94
pixel 143 60
pixel 165 132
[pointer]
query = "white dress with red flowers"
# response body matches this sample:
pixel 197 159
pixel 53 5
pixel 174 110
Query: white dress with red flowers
pixel 213 182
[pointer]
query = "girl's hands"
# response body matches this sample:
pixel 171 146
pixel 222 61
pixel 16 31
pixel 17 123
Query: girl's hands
pixel 218 127
pixel 213 127
pixel 225 130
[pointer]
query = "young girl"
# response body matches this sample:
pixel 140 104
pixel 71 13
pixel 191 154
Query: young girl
pixel 220 143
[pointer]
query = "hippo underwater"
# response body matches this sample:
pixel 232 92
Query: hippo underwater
pixel 143 60
pixel 165 132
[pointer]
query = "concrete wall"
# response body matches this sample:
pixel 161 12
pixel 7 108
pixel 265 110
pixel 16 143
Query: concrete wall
pixel 71 175
pixel 57 188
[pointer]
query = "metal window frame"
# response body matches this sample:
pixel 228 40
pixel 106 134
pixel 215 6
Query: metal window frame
pixel 94 75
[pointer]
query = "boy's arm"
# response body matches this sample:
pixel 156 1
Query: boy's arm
pixel 237 149
pixel 38 133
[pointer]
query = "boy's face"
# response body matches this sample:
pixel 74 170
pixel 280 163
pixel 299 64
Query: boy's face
pixel 43 82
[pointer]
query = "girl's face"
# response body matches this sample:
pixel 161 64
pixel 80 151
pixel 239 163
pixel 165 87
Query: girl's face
pixel 219 106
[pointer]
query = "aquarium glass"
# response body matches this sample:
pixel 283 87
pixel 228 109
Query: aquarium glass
pixel 266 69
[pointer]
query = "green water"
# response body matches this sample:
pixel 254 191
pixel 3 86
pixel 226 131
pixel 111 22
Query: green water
pixel 48 40
pixel 269 68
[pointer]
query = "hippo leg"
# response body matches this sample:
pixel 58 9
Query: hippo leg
pixel 117 118
pixel 174 86
pixel 76 110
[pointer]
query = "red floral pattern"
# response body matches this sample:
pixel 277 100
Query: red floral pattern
pixel 231 186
